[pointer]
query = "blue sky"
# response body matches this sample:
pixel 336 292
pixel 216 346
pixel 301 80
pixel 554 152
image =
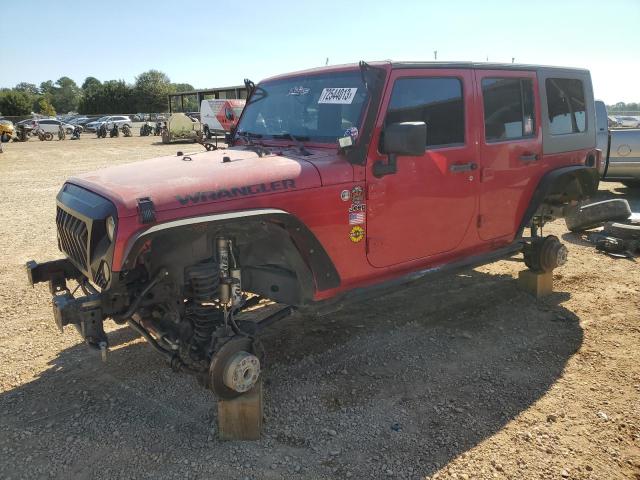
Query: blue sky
pixel 216 44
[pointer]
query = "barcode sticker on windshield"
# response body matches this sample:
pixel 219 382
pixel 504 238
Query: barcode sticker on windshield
pixel 337 95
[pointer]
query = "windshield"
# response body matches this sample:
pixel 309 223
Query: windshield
pixel 320 108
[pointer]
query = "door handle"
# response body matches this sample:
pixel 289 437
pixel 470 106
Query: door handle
pixel 529 157
pixel 462 167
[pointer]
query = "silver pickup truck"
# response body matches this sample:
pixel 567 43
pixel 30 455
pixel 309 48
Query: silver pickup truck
pixel 620 150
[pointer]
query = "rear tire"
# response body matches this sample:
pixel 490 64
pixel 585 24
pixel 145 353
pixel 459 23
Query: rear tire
pixel 585 216
pixel 625 231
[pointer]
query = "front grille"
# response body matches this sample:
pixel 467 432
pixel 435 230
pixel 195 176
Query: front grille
pixel 100 279
pixel 73 236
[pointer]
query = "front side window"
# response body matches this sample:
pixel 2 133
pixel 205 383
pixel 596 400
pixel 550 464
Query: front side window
pixel 435 101
pixel 319 108
pixel 566 104
pixel 508 108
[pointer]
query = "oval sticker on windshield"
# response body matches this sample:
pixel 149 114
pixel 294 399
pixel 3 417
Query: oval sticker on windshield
pixel 337 95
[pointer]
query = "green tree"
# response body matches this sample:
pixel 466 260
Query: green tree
pixel 151 89
pixel 45 108
pixel 15 103
pixel 30 88
pixel 91 84
pixel 46 87
pixel 65 95
pixel 181 87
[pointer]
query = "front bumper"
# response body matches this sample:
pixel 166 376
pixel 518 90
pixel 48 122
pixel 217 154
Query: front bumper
pixel 85 313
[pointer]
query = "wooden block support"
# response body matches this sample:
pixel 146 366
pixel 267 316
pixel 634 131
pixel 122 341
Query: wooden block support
pixel 241 418
pixel 537 284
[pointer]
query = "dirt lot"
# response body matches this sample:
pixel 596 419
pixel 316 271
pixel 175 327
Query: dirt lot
pixel 466 377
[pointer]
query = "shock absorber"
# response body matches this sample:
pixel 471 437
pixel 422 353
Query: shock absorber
pixel 222 248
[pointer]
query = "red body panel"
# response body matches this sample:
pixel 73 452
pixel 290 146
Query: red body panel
pixel 505 179
pixel 421 217
pixel 424 209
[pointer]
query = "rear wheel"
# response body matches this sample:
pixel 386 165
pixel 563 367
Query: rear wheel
pixel 545 254
pixel 590 215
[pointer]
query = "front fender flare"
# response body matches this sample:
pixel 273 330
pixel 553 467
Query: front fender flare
pixel 309 247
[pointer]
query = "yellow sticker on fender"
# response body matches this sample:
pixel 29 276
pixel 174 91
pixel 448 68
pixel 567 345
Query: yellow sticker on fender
pixel 356 234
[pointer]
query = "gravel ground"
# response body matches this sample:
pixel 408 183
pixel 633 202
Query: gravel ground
pixel 465 377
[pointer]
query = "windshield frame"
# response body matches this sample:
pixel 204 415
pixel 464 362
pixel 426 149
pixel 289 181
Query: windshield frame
pixel 239 137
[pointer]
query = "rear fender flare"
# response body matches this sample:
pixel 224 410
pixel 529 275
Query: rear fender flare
pixel 561 186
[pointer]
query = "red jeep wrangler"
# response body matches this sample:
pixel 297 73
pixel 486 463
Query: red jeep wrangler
pixel 338 183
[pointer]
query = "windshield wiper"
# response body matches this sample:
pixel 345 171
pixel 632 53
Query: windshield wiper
pixel 250 144
pixel 297 140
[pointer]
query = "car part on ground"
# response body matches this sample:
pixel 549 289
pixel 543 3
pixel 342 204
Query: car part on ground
pixel 630 231
pixel 44 136
pixel 101 131
pixel 584 215
pixel 146 129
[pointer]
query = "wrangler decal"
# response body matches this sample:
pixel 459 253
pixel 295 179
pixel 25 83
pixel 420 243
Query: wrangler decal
pixel 236 191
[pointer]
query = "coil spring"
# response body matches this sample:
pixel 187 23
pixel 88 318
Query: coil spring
pixel 204 281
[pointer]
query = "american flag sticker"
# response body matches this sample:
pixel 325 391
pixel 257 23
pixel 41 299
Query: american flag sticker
pixel 356 218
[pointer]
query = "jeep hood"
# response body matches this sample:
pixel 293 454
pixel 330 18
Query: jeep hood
pixel 174 182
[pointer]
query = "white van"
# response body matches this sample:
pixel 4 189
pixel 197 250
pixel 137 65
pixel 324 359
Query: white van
pixel 220 115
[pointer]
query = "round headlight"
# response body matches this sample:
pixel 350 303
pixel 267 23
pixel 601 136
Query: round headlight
pixel 111 228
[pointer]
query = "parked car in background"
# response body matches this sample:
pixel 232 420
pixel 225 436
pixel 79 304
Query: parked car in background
pixel 84 121
pixel 6 129
pixel 77 120
pixel 119 120
pixel 612 121
pixel 51 125
pixel 629 122
pixel 620 150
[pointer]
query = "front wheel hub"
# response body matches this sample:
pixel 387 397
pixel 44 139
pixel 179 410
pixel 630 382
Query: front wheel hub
pixel 241 372
pixel 235 367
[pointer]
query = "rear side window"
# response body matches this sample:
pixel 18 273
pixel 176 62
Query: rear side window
pixel 565 101
pixel 435 101
pixel 508 108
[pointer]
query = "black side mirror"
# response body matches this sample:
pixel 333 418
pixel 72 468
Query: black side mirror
pixel 405 138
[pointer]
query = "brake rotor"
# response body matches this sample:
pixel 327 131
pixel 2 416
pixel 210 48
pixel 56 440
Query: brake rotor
pixel 234 368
